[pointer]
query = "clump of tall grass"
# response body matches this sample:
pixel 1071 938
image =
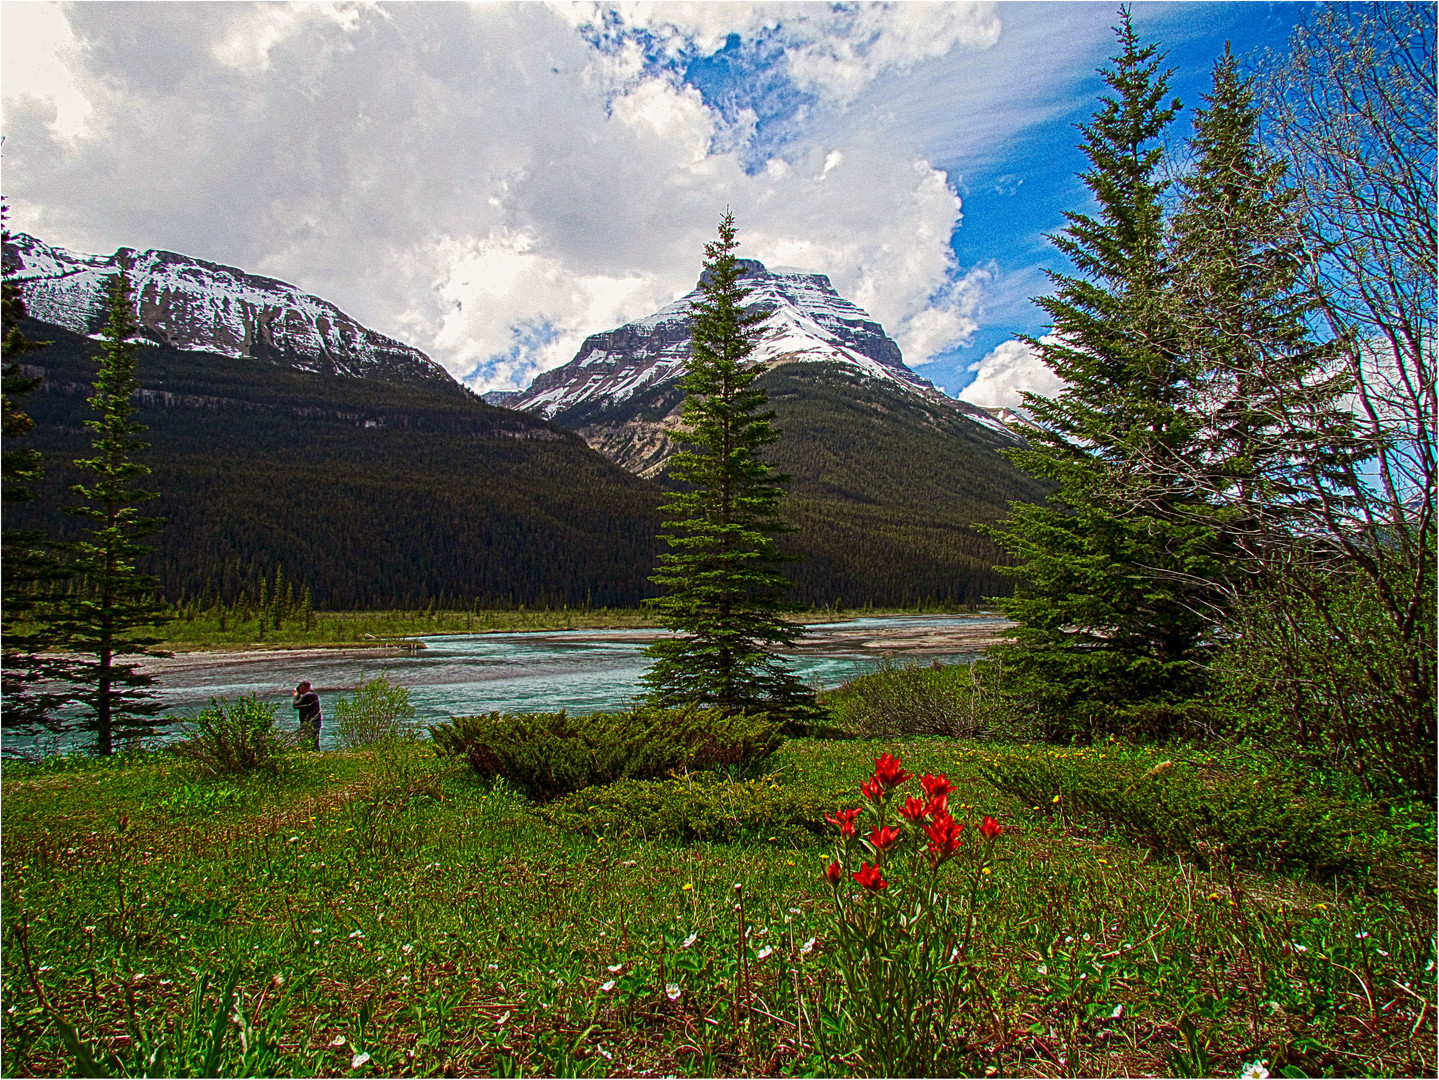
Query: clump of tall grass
pixel 378 712
pixel 905 698
pixel 233 737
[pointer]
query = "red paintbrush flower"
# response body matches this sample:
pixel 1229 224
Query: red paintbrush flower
pixel 938 789
pixel 869 878
pixel 943 834
pixel 883 838
pixel 935 785
pixel 888 772
pixel 845 820
pixel 833 873
pixel 991 828
pixel 914 810
pixel 871 789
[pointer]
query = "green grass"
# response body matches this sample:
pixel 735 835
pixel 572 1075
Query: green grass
pixel 390 905
pixel 352 628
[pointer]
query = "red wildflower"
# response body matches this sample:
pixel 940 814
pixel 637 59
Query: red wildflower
pixel 888 773
pixel 935 786
pixel 871 789
pixel 990 829
pixel 869 878
pixel 883 838
pixel 943 834
pixel 833 873
pixel 845 820
pixel 914 810
pixel 938 789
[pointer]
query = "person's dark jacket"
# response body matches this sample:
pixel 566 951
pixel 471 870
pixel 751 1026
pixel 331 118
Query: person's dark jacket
pixel 307 708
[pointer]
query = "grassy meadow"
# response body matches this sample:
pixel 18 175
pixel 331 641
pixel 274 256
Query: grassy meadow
pixel 386 912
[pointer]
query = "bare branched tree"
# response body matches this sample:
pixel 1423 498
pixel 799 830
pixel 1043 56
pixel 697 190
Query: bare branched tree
pixel 1350 111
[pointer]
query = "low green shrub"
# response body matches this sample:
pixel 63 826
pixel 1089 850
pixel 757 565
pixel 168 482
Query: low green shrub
pixel 379 711
pixel 233 737
pixel 903 698
pixel 547 755
pixel 704 808
pixel 1257 814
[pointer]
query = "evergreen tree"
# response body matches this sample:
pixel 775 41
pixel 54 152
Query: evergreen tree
pixel 114 599
pixel 1115 576
pixel 1265 395
pixel 722 580
pixel 32 570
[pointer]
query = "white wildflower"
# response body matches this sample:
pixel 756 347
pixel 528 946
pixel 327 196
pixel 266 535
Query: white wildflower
pixel 407 949
pixel 672 991
pixel 338 1040
pixel 357 934
pixel 690 940
pixel 1255 1070
pixel 764 952
pixel 607 985
pixel 807 947
pixel 1118 1012
pixel 1043 969
pixel 360 1059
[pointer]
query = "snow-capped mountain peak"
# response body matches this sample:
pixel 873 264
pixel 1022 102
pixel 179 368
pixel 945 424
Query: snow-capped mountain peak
pixel 805 321
pixel 196 305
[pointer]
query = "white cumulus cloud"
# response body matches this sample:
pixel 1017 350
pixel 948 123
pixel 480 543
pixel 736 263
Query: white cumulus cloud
pixel 1008 370
pixel 482 181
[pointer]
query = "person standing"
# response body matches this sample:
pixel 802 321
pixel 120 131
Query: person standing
pixel 307 711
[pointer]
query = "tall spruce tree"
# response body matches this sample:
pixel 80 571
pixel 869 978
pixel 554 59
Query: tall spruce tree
pixel 31 685
pixel 1264 393
pixel 722 581
pixel 1114 595
pixel 113 600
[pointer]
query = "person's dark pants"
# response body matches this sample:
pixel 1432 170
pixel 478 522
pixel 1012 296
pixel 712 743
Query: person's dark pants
pixel 310 734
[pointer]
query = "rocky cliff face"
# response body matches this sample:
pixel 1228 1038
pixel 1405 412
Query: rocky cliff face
pixel 202 306
pixel 619 391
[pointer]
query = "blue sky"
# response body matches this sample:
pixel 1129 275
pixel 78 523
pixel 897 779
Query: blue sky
pixel 495 183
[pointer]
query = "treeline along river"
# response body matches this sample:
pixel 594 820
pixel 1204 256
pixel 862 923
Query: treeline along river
pixel 579 670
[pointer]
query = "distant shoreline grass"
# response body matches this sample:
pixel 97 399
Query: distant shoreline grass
pixel 207 631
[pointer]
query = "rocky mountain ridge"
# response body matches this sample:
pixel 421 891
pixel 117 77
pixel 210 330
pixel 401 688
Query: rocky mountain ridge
pixel 200 306
pixel 621 392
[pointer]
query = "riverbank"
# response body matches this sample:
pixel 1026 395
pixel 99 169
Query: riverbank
pixel 925 638
pixel 382 633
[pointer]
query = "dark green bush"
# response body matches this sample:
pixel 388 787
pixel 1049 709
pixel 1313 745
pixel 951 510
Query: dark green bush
pixel 547 755
pixel 701 808
pixel 1257 814
pixel 233 737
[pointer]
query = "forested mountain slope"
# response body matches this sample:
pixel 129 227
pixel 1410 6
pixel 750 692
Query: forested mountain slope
pixel 370 492
pixel 375 493
pixel 885 487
